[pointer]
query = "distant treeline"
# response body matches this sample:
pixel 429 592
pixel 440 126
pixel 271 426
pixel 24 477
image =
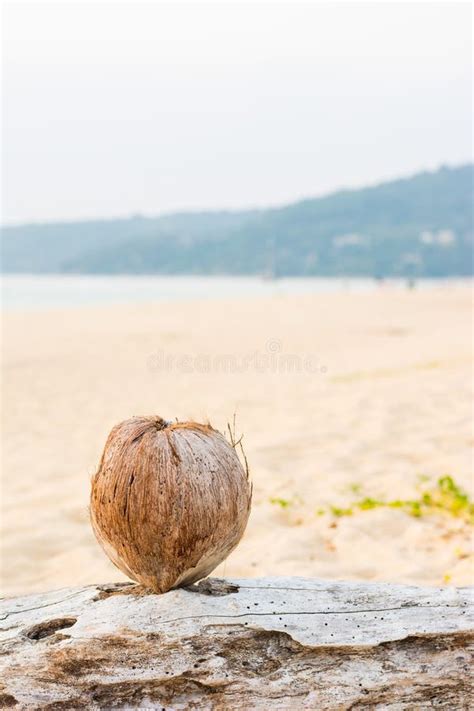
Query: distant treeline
pixel 418 226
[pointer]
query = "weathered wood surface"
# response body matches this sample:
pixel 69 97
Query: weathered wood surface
pixel 269 643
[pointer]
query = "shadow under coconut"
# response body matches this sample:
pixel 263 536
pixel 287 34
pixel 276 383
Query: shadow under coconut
pixel 209 586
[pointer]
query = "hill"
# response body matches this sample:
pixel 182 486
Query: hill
pixel 422 225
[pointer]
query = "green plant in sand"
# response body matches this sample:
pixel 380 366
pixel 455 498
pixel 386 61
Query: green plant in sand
pixel 283 503
pixel 445 497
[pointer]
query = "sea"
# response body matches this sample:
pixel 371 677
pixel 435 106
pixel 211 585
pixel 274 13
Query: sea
pixel 27 292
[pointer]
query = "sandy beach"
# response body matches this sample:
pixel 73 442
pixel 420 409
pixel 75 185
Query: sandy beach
pixel 339 396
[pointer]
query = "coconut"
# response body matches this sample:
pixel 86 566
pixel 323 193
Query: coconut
pixel 169 502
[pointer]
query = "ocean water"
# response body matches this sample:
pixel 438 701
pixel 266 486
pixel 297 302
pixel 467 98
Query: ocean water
pixel 23 291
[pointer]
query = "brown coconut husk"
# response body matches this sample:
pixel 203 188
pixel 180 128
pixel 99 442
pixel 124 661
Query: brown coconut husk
pixel 169 501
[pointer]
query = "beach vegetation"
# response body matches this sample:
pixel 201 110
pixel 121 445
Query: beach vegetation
pixel 283 503
pixel 445 497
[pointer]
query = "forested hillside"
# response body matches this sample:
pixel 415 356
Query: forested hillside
pixel 420 226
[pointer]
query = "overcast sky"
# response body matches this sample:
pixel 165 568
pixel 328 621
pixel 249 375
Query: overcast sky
pixel 118 108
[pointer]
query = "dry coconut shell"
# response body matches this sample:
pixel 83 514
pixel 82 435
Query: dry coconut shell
pixel 169 501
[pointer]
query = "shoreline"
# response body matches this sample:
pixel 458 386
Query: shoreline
pixel 41 292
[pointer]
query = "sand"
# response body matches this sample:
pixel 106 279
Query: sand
pixel 377 396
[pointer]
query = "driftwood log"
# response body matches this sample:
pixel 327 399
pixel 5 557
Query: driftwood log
pixel 270 643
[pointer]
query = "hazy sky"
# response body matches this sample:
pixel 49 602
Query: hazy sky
pixel 116 108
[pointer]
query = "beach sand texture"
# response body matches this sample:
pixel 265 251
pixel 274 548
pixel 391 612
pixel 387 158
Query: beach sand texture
pixel 347 390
